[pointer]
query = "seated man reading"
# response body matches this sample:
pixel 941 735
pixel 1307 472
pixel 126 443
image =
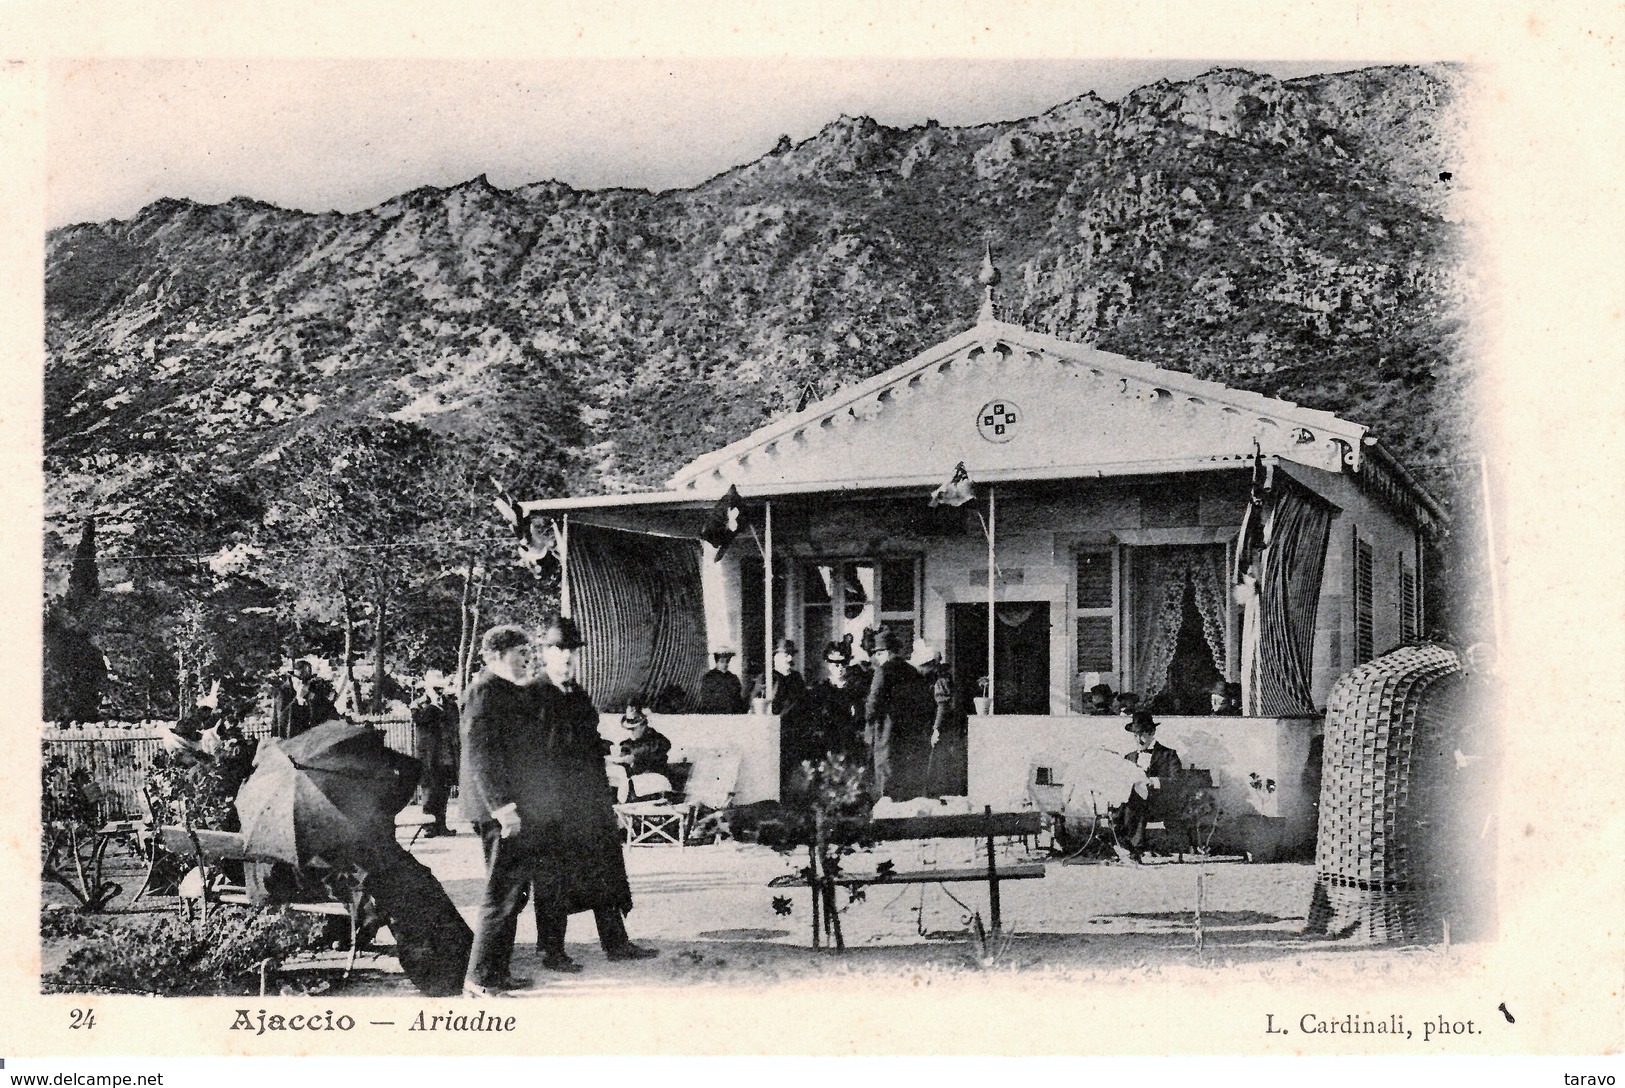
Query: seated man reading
pixel 1162 797
pixel 646 751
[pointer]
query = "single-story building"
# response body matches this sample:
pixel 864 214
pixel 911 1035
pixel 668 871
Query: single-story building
pixel 1127 524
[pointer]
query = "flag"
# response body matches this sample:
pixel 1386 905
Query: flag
pixel 957 491
pixel 1251 538
pixel 541 547
pixel 724 523
pixel 518 520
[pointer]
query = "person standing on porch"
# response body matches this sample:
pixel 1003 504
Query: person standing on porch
pixel 944 774
pixel 835 705
pixel 799 736
pixel 579 864
pixel 891 709
pixel 720 692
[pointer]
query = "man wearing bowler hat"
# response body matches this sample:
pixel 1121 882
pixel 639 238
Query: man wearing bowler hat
pixel 579 864
pixel 1160 796
pixel 891 708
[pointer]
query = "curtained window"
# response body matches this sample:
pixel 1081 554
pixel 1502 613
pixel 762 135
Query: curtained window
pixel 1172 585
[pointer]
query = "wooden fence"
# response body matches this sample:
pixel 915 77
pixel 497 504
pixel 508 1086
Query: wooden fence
pixel 117 755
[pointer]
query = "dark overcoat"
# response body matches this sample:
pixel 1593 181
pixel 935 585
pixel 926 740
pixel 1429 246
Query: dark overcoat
pixel 434 723
pixel 501 736
pixel 720 693
pixel 579 859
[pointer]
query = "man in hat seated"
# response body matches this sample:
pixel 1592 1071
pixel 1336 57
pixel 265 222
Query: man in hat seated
pixel 1161 796
pixel 645 750
pixel 1100 702
pixel 720 692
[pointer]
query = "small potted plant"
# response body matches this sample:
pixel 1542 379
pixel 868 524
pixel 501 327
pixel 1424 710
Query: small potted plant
pixel 984 705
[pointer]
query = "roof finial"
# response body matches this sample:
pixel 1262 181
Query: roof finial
pixel 988 278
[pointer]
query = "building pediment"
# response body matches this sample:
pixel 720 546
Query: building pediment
pixel 1014 404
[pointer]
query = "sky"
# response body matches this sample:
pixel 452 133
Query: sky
pixel 322 135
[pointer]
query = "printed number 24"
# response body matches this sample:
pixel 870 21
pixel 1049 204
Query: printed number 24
pixel 81 1018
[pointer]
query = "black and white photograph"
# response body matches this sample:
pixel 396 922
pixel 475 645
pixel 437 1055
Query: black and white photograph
pixel 519 533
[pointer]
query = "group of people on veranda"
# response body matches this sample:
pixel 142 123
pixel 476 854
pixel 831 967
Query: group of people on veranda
pixel 534 785
pixel 896 715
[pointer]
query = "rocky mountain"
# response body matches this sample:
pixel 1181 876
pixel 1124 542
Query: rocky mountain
pixel 1298 238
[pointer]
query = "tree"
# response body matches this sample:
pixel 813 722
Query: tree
pixel 82 579
pixel 75 670
pixel 344 525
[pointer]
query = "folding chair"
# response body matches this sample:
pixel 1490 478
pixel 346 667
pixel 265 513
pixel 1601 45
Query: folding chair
pixel 648 817
pixel 710 793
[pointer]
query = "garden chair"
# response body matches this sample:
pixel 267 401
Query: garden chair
pixel 710 793
pixel 648 816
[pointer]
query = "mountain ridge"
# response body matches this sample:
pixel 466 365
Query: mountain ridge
pixel 1240 227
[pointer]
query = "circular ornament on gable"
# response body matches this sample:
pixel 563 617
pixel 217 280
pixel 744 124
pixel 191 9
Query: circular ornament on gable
pixel 997 420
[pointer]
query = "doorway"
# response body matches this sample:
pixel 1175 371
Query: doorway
pixel 1021 655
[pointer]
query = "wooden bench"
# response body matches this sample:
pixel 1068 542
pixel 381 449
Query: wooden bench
pixel 987 825
pixel 207 884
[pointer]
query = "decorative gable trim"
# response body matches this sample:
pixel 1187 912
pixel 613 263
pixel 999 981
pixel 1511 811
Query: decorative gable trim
pixel 1281 425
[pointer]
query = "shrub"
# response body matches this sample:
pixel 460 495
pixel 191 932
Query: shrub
pixel 172 956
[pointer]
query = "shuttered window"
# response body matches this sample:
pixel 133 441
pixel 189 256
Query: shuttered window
pixel 1409 622
pixel 1095 612
pixel 1364 641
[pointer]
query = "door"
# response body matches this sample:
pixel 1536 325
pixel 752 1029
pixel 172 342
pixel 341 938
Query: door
pixel 1021 655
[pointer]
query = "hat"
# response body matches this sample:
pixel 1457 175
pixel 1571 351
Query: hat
pixel 925 654
pixel 634 716
pixel 722 650
pixel 501 639
pixel 839 653
pixel 434 678
pixel 1142 722
pixel 561 631
pixel 1103 690
pixel 787 646
pixel 885 640
pixel 1127 698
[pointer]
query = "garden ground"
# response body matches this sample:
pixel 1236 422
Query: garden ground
pixel 710 912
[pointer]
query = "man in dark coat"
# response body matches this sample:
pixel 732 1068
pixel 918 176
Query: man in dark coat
pixel 800 739
pixel 1163 794
pixel 579 864
pixel 434 725
pixel 720 692
pixel 835 706
pixel 646 750
pixel 503 791
pixel 894 709
pixel 303 701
